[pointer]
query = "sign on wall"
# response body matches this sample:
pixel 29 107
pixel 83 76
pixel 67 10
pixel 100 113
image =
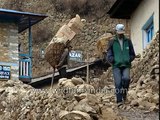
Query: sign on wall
pixel 5 72
pixel 75 55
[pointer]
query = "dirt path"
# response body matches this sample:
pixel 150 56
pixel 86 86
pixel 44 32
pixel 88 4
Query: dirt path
pixel 136 114
pixel 131 114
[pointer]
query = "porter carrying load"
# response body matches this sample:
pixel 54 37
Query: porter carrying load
pixel 66 33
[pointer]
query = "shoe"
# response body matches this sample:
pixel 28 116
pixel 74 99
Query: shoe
pixel 119 104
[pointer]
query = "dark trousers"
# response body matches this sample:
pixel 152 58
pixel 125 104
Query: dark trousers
pixel 122 81
pixel 62 72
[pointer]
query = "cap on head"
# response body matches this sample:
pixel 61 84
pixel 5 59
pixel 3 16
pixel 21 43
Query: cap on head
pixel 120 29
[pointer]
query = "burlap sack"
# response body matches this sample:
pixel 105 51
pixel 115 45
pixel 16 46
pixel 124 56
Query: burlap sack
pixel 102 44
pixel 54 51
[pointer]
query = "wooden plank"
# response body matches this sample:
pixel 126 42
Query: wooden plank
pixel 56 74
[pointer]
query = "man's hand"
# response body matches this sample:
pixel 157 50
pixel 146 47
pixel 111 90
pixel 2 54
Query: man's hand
pixel 57 66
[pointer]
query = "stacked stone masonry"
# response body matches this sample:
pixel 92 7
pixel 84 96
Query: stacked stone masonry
pixel 9 48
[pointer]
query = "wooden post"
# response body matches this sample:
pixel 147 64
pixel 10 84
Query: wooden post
pixel 52 78
pixel 87 77
pixel 30 47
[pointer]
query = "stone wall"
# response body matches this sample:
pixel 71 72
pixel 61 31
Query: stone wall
pixel 9 48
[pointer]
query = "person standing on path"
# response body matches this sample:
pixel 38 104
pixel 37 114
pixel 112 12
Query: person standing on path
pixel 120 54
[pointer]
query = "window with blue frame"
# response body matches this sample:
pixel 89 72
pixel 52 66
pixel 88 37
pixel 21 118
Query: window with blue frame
pixel 148 31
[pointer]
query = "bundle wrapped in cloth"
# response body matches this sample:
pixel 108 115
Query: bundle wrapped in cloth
pixel 102 44
pixel 57 45
pixel 76 24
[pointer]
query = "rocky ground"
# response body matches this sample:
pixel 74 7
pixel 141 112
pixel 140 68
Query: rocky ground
pixel 73 99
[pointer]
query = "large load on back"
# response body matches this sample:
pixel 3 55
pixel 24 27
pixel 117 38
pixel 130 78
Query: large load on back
pixel 102 44
pixel 66 33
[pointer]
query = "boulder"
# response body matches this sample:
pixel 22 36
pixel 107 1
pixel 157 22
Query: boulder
pixel 85 88
pixel 77 81
pixel 76 115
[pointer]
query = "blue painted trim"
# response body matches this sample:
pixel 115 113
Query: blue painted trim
pixel 20 12
pixel 144 28
pixel 30 47
pixel 23 55
pixel 29 75
pixel 9 64
pixel 25 60
pixel 150 33
pixel 149 21
pixel 29 55
pixel 24 77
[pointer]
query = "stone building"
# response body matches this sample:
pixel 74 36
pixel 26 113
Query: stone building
pixel 143 16
pixel 12 64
